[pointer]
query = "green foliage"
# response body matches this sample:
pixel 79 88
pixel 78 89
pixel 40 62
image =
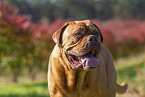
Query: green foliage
pixel 19 47
pixel 81 9
pixel 129 9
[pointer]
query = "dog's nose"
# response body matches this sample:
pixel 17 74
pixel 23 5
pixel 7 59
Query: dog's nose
pixel 92 38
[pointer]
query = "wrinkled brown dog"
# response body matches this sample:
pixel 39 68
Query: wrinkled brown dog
pixel 80 66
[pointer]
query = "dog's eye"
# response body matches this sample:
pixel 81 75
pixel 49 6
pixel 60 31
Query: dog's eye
pixel 78 34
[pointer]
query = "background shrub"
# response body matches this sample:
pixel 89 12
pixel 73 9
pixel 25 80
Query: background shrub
pixel 25 47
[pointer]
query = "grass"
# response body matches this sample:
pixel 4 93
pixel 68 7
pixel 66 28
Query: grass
pixel 38 89
pixel 130 70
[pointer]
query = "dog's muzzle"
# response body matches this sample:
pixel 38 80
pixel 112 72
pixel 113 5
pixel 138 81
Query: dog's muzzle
pixel 86 55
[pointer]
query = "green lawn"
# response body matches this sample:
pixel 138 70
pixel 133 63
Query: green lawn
pixel 24 90
pixel 130 70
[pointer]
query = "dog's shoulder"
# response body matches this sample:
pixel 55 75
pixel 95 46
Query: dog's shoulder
pixel 106 54
pixel 105 51
pixel 56 52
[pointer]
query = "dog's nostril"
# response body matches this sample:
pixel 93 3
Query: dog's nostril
pixel 95 39
pixel 90 39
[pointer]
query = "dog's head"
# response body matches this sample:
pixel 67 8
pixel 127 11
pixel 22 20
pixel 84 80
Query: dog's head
pixel 80 43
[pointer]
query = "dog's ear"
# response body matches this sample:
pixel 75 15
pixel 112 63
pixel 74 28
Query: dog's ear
pixel 101 36
pixel 57 36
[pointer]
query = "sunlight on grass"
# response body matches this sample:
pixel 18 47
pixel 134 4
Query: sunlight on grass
pixel 24 90
pixel 130 60
pixel 129 67
pixel 132 70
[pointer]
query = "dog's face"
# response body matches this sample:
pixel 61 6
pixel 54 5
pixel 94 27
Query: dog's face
pixel 80 43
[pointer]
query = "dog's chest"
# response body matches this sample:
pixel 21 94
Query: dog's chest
pixel 93 91
pixel 94 86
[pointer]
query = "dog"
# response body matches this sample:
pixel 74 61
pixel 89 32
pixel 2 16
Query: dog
pixel 80 65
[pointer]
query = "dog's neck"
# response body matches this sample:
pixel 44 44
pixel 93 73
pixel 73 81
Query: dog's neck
pixel 74 79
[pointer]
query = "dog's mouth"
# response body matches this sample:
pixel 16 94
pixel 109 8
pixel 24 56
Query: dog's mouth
pixel 88 61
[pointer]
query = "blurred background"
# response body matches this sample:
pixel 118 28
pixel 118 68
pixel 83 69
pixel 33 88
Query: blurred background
pixel 26 27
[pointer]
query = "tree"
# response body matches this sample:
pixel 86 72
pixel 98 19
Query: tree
pixel 129 9
pixel 105 9
pixel 24 45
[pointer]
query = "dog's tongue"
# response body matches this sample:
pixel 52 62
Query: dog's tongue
pixel 90 62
